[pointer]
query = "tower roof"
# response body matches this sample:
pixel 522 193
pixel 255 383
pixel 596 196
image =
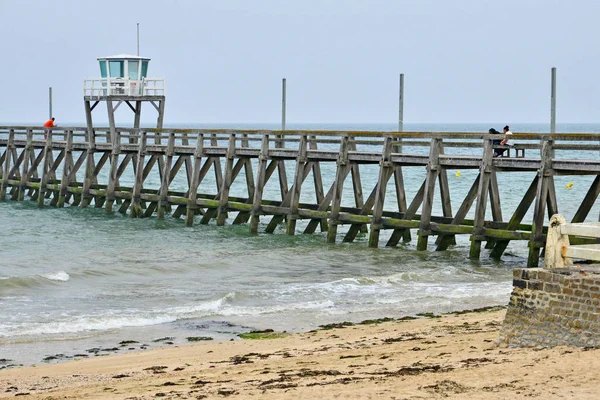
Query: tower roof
pixel 123 57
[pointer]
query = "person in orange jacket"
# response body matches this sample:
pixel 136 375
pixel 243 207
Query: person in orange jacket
pixel 48 124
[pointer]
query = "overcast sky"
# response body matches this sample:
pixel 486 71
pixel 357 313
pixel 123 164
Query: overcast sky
pixel 463 60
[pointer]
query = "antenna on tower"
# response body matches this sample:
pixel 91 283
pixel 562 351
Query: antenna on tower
pixel 138 38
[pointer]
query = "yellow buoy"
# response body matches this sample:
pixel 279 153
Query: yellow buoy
pixel 569 185
pixel 458 174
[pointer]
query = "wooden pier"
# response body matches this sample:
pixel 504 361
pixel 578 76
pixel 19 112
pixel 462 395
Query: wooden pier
pixel 82 167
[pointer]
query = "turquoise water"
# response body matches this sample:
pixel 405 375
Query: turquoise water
pixel 72 279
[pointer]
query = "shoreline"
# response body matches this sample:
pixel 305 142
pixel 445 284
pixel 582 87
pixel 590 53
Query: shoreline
pixel 452 356
pixel 126 340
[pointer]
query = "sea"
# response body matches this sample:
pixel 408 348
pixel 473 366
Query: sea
pixel 79 283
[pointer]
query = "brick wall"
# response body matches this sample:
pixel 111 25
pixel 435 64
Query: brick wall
pixel 552 308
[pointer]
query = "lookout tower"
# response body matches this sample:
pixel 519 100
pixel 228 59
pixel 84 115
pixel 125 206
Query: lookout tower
pixel 124 80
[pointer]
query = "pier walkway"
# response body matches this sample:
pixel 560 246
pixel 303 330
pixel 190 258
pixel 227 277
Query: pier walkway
pixel 166 169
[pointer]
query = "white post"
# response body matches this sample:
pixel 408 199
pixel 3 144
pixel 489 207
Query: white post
pixel 283 104
pixel 50 102
pixel 401 104
pixel 553 102
pixel 138 39
pixel 556 244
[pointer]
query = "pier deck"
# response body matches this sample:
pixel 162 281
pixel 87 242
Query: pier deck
pixel 167 167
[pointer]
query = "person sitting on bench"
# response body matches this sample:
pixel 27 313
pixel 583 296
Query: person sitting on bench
pixel 496 142
pixel 507 141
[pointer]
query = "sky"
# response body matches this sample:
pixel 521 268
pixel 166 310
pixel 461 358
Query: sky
pixel 464 61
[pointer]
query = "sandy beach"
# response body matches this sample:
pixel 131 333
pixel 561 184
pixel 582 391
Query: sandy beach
pixel 454 356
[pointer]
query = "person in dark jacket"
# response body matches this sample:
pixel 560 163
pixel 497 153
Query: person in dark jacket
pixel 497 152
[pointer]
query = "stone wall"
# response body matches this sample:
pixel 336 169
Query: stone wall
pixel 553 307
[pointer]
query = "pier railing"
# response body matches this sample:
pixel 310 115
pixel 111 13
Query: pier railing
pixel 168 169
pixel 560 252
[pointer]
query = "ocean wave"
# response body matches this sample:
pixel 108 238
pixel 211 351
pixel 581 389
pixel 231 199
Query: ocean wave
pixel 229 311
pixel 396 291
pixel 112 319
pixel 33 281
pixel 83 324
pixel 339 297
pixel 116 319
pixel 409 282
pixel 60 276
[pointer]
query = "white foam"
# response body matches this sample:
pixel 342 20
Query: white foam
pixel 60 276
pixel 211 307
pixel 85 323
pixel 261 310
pixel 114 320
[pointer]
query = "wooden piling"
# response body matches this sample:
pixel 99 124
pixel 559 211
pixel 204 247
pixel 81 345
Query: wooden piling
pixel 263 158
pixel 67 169
pixel 224 194
pixel 113 173
pixel 192 207
pixel 166 175
pixel 25 166
pixel 340 176
pixel 136 210
pixel 296 188
pixel 485 172
pixel 545 175
pixel 45 169
pixel 385 169
pixel 7 162
pixel 433 171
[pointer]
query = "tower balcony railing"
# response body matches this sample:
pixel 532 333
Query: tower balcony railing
pixel 123 87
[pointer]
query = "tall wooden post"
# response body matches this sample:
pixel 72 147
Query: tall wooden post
pixel 67 170
pixel 25 166
pixel 90 163
pixel 50 102
pixel 553 101
pixel 357 184
pixel 166 174
pixel 7 161
pixel 495 205
pixel 261 174
pixel 113 175
pixel 482 196
pixel 192 207
pixel 244 216
pixel 385 168
pixel 398 175
pixel 161 114
pixel 45 169
pixel 111 119
pixel 136 118
pixel 401 104
pixel 224 195
pixel 136 210
pixel 296 187
pixel 283 103
pixel 433 170
pixel 545 174
pixel 341 173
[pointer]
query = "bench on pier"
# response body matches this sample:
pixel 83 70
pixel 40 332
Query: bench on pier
pixel 559 251
pixel 518 149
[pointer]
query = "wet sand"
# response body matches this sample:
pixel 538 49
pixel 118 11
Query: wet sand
pixel 452 357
